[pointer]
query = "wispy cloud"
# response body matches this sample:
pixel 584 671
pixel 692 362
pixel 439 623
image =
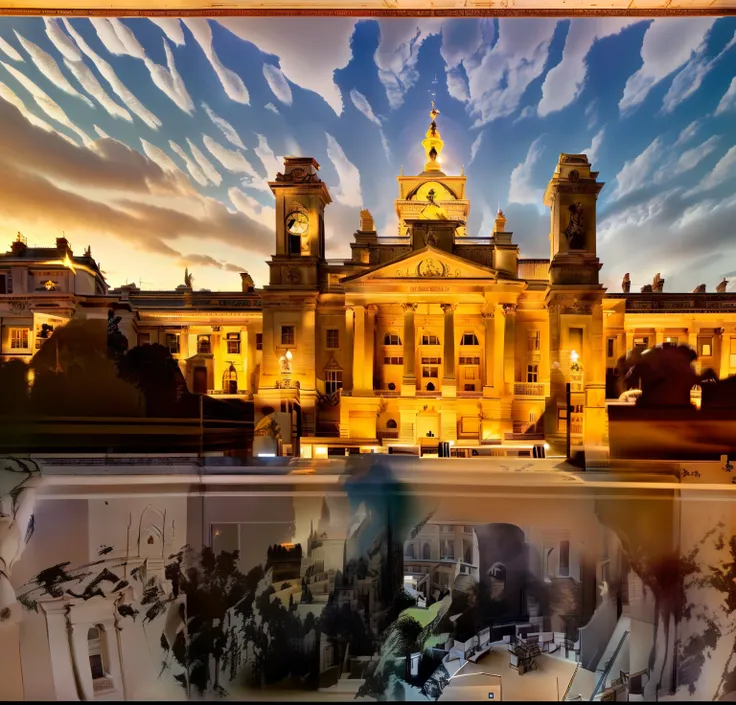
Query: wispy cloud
pixel 592 151
pixel 192 167
pixel 728 101
pixel 475 147
pixel 635 173
pixel 348 191
pixel 723 172
pixel 277 83
pixel 521 187
pixel 171 27
pixel 9 51
pixel 205 164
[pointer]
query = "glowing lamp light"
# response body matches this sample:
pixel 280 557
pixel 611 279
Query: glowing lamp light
pixel 31 376
pixel 574 356
pixel 289 355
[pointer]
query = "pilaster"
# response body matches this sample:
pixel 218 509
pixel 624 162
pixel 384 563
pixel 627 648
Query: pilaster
pixel 449 382
pixel 509 353
pixel 488 352
pixel 359 350
pixel 409 379
pixel 370 346
pixel 349 376
pixel 724 368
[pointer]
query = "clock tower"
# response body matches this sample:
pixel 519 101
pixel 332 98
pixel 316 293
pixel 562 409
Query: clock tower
pixel 301 197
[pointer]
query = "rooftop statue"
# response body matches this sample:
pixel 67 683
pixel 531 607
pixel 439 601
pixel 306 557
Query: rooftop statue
pixel 188 278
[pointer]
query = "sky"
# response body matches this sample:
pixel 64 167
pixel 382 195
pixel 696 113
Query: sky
pixel 152 140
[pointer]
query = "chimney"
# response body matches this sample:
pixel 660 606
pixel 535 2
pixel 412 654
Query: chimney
pixel 721 288
pixel 246 282
pixel 699 289
pixel 658 284
pixel 626 284
pixel 646 289
pixel 500 225
pixel 19 246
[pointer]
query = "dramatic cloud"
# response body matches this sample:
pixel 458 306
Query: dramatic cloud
pixel 158 156
pixel 50 107
pixel 64 45
pixel 398 52
pixel 10 97
pixel 205 164
pixel 722 172
pixel 728 102
pixel 362 104
pixel 565 81
pixel 690 158
pixel 326 43
pixel 192 167
pixel 592 151
pixel 348 191
pixel 232 83
pixel 8 50
pixel 271 163
pixel 521 187
pixel 225 127
pixel 90 84
pixel 171 27
pixel 277 83
pixel 636 173
pixel 107 72
pixel 688 133
pixel 668 44
pixel 207 261
pixel 475 147
pixel 265 215
pixel 231 159
pixel 50 69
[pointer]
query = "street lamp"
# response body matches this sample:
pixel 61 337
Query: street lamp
pixel 30 376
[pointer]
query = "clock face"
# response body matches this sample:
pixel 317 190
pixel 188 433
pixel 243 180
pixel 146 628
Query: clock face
pixel 297 223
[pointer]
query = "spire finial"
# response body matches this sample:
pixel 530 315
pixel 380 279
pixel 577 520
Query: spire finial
pixel 432 142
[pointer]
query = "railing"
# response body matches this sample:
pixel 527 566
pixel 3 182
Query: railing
pixel 387 434
pixel 569 685
pixel 530 389
pixel 609 664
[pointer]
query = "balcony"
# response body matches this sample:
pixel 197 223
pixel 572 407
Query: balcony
pixel 530 389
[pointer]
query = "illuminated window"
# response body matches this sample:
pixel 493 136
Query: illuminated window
pixel 230 380
pixel 431 360
pixel 233 343
pixel 333 381
pixel 469 338
pixel 732 352
pixel 610 347
pixel 430 372
pixel 671 340
pixel 391 339
pixel 641 343
pixel 534 341
pixel 705 346
pixel 532 373
pixel 288 335
pixel 430 340
pixel 19 338
pixel 144 338
pixel 204 344
pixel 469 360
pixel 172 343
pixel 259 341
pixel 333 338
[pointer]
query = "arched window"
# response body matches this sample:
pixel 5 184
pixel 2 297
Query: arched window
pixel 426 552
pixel 430 387
pixel 696 396
pixel 95 647
pixel 391 423
pixel 230 380
pixel 410 550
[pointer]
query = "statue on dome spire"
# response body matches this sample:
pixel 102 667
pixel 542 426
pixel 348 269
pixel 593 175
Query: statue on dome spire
pixel 433 144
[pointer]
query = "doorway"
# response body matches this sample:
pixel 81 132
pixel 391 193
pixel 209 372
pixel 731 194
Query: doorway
pixel 199 380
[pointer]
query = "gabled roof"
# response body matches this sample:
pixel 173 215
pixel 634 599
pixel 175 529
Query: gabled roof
pixel 426 263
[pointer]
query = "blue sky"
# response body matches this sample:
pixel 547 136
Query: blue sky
pixel 152 140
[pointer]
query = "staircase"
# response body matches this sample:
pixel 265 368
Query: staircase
pixel 611 655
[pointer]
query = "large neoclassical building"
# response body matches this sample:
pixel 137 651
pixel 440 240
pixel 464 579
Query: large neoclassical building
pixel 428 335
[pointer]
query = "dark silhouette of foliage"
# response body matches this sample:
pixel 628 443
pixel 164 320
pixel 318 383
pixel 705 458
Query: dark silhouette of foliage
pixel 14 386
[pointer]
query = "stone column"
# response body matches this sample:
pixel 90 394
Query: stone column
pixel 370 345
pixel 488 353
pixel 449 382
pixel 348 381
pixel 359 349
pixel 499 335
pixel 409 380
pixel 724 369
pixel 629 341
pixel 509 352
pixel 658 336
pixel 245 385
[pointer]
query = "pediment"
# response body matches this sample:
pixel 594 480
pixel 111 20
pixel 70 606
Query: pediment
pixel 429 263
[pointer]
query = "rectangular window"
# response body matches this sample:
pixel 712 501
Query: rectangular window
pixel 430 340
pixel 4 284
pixel 431 360
pixel 333 338
pixel 532 373
pixel 564 571
pixel 705 346
pixel 391 339
pixel 469 387
pixel 233 343
pixel 19 338
pixel 144 338
pixel 333 381
pixel 469 361
pixel 393 360
pixel 259 341
pixel 172 343
pixel 288 335
pixel 430 372
pixel 204 344
pixel 671 340
pixel 534 341
pixel 469 338
pixel 576 340
pixel 641 343
pixel 610 347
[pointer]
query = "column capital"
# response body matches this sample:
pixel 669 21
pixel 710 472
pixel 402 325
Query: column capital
pixel 488 314
pixel 409 307
pixel 349 309
pixel 448 308
pixel 373 308
pixel 216 329
pixel 509 309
